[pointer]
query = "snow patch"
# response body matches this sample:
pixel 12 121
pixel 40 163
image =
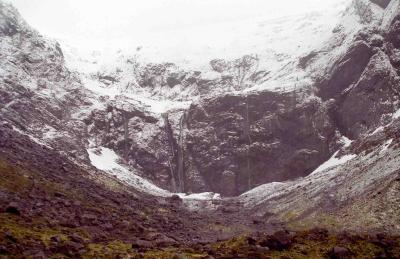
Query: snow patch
pixel 34 139
pixel 379 129
pixel 333 162
pixel 200 196
pixel 396 115
pixel 346 141
pixel 265 191
pixel 386 145
pixel 106 160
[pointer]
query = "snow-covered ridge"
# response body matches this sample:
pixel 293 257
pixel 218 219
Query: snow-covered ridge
pixel 273 30
pixel 277 40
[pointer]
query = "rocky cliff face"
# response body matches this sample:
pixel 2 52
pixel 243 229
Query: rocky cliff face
pixel 226 141
pixel 233 142
pixel 238 142
pixel 364 84
pixel 323 152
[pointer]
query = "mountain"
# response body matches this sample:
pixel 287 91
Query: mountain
pixel 277 152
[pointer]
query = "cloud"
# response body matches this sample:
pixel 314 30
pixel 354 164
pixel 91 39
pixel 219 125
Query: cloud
pixel 167 29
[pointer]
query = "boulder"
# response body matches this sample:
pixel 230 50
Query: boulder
pixel 279 241
pixel 339 252
pixel 13 208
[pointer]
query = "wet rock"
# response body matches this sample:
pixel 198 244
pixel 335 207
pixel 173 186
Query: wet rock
pixel 279 127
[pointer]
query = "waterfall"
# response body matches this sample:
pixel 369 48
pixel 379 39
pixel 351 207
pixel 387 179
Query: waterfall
pixel 176 157
pixel 247 132
pixel 180 154
pixel 171 156
pixel 126 135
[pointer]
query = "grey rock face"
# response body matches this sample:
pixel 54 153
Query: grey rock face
pixel 347 70
pixel 381 3
pixel 225 144
pixel 238 142
pixel 365 82
pixel 374 95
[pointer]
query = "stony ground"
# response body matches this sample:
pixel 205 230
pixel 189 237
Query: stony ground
pixel 51 208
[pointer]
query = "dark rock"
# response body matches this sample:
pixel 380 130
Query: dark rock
pixel 393 35
pixel 58 194
pixel 74 245
pixel 318 234
pixel 357 112
pixel 142 244
pixel 339 253
pixel 251 241
pixel 173 81
pixel 76 238
pixel 9 236
pixel 107 226
pixel 3 250
pixel 384 242
pixel 39 255
pixel 13 208
pixel 280 241
pixel 230 209
pixel 56 239
pixel 176 199
pixel 304 61
pixel 347 70
pixel 381 3
pixel 164 241
pixel 280 127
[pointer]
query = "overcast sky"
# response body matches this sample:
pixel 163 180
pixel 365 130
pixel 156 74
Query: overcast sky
pixel 104 20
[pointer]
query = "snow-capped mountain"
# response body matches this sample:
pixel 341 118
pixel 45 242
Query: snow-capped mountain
pixel 288 122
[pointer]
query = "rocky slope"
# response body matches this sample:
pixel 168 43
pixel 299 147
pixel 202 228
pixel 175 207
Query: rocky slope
pixel 214 144
pixel 96 152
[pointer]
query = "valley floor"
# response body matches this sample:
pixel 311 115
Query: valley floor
pixel 46 211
